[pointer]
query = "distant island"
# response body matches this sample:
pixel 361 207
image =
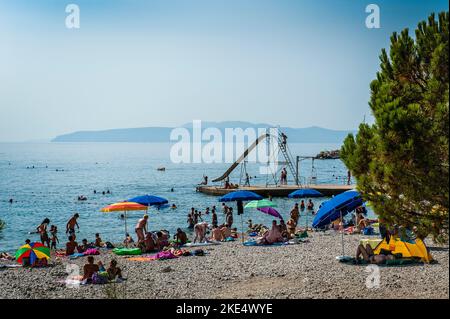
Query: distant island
pixel 311 134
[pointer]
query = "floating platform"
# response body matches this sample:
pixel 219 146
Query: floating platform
pixel 277 191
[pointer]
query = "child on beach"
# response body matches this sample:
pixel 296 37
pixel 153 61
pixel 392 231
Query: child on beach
pixel 42 230
pixel 54 239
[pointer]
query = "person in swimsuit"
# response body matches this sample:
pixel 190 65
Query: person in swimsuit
pixel 180 237
pixel 217 234
pixel 42 230
pixel 200 231
pixel 291 224
pixel 190 221
pixel 114 271
pixel 310 205
pixel 141 228
pixel 54 239
pixel 369 256
pixel 90 269
pixel 70 226
pixel 71 245
pixel 295 214
pixel 214 218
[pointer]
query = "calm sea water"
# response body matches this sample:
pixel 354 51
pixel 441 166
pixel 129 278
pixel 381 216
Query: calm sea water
pixel 127 170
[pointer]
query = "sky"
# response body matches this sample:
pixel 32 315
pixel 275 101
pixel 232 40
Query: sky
pixel 295 63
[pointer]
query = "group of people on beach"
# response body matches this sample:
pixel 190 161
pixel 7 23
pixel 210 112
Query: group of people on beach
pixel 202 228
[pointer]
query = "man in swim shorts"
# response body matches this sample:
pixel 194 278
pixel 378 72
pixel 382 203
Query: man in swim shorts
pixel 70 226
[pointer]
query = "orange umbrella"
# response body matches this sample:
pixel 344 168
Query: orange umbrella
pixel 123 207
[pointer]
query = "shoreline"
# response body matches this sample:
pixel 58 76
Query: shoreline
pixel 231 270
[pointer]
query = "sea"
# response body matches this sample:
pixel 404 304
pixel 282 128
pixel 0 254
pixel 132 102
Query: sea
pixel 45 179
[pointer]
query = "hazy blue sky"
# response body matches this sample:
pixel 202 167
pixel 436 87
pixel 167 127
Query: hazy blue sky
pixel 165 63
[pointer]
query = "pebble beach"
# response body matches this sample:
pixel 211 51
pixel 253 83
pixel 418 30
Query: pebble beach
pixel 231 270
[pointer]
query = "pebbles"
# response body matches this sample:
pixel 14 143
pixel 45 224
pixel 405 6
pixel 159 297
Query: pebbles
pixel 230 270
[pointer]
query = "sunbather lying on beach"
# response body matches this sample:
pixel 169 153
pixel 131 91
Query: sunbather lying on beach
pixel 369 256
pixel 6 256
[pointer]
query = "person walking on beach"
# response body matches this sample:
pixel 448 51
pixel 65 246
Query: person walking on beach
pixel 141 228
pixel 42 231
pixel 70 226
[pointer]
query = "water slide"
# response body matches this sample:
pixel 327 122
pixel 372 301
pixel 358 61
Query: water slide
pixel 241 158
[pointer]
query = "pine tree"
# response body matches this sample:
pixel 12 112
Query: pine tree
pixel 401 161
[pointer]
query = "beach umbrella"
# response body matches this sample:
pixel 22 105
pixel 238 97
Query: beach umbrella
pixel 260 204
pixel 33 251
pixel 337 207
pixel 305 192
pixel 149 200
pixel 240 196
pixel 124 207
pixel 270 211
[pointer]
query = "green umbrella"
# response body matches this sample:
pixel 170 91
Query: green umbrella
pixel 260 204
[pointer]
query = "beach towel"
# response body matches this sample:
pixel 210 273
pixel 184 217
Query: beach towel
pixel 394 262
pixel 201 244
pixel 91 251
pixel 229 239
pixel 254 243
pixel 76 255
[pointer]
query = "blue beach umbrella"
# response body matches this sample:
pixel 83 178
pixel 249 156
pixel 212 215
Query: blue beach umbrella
pixel 338 206
pixel 149 200
pixel 240 195
pixel 335 208
pixel 305 192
